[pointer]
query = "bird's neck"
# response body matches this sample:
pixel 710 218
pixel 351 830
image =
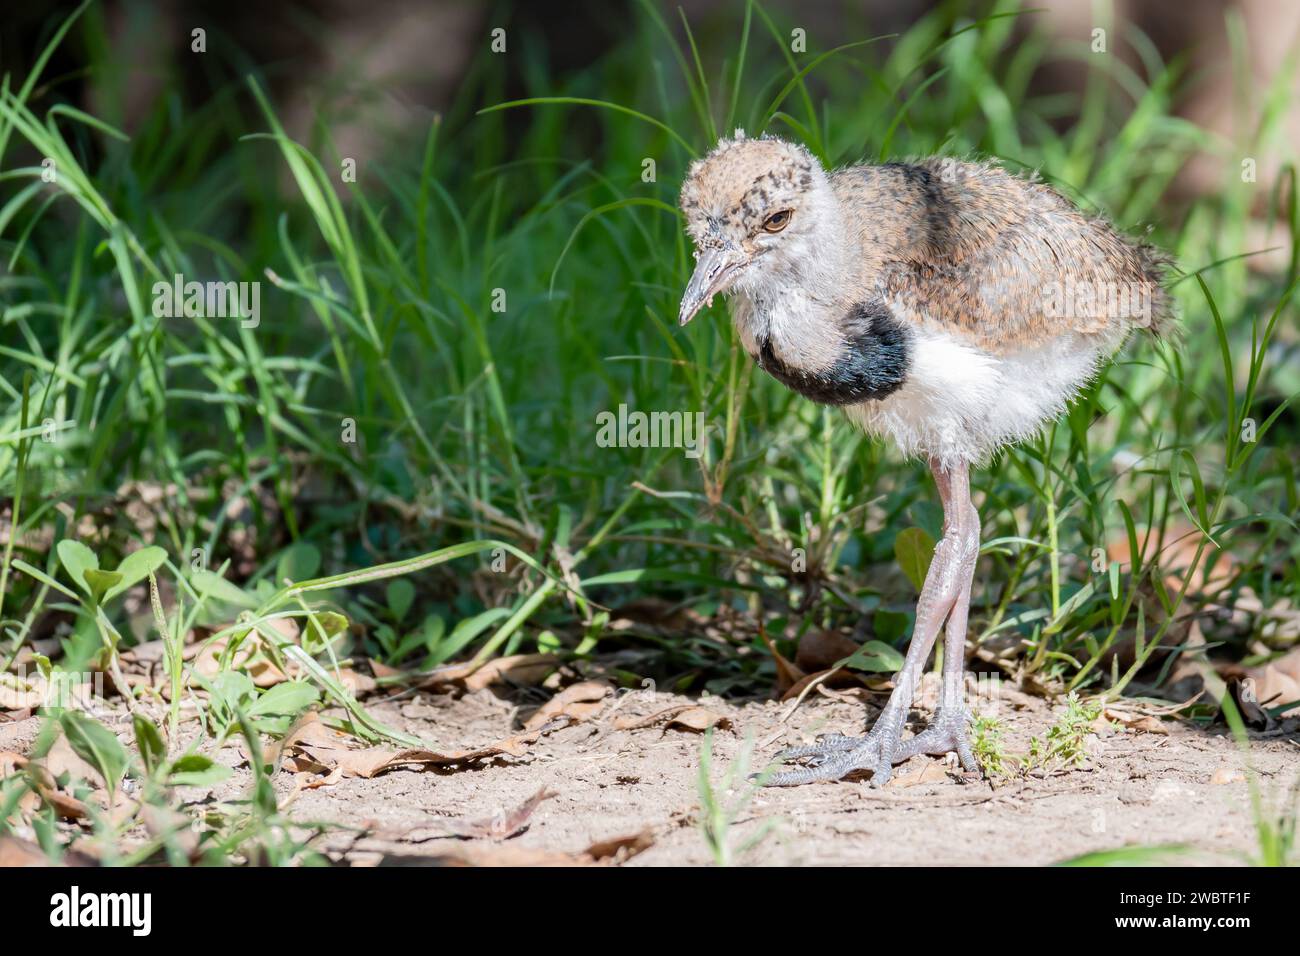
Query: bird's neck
pixel 814 319
pixel 793 306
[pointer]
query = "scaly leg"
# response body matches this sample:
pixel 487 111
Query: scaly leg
pixel 945 596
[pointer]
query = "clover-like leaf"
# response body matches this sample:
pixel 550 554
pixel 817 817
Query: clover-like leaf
pixel 77 559
pixel 97 745
pixel 100 582
pixel 135 567
pixel 149 739
pixel 195 770
pixel 914 548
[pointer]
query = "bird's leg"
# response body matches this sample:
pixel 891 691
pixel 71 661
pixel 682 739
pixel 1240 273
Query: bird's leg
pixel 945 595
pixel 950 728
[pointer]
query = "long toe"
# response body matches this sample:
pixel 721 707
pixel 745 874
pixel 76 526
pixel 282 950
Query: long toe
pixel 826 744
pixel 833 758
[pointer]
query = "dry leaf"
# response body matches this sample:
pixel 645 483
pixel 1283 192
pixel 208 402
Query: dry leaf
pixel 620 849
pixel 820 650
pixel 579 702
pixel 601 853
pixel 1140 723
pixel 827 678
pixel 380 669
pixel 630 722
pixel 500 826
pixel 698 719
pixel 308 730
pixel 930 772
pixel 63 759
pixel 356 682
pixel 22 693
pixel 376 760
pixel 11 763
pixel 1278 682
pixel 16 852
pixel 1226 774
pixel 526 669
pixel 787 674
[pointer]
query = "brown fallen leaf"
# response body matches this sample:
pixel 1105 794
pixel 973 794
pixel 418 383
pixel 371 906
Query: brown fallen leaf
pixel 630 722
pixel 1225 774
pixel 527 669
pixel 63 759
pixel 620 849
pixel 931 771
pixel 380 669
pixel 698 719
pixel 11 763
pixel 787 674
pixel 579 702
pixel 1141 723
pixel 601 853
pixel 1278 682
pixel 820 650
pixel 47 788
pixel 500 826
pixel 841 678
pixel 18 852
pixel 373 761
pixel 22 693
pixel 308 730
pixel 247 657
pixel 681 716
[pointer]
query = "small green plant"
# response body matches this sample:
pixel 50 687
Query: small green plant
pixel 1063 744
pixel 718 813
pixel 990 751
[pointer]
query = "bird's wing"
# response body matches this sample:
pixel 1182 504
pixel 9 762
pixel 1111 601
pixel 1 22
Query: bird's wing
pixel 1008 262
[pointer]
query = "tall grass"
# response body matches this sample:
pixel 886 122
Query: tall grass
pixel 475 426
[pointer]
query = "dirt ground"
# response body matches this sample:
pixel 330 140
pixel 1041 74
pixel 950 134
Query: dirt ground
pixel 614 780
pixel 639 788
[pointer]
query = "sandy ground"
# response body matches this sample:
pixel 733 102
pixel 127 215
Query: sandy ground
pixel 622 787
pixel 1186 787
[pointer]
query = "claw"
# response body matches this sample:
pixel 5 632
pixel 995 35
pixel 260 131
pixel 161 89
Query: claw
pixel 835 756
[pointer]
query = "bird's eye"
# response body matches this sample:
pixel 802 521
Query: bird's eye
pixel 777 221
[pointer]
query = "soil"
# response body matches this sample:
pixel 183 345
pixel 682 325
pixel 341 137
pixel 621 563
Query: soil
pixel 1186 787
pixel 621 794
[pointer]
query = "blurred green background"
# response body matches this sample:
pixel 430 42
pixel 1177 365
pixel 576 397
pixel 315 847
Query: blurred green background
pixel 437 337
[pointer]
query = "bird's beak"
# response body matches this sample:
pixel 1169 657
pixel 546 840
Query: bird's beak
pixel 714 271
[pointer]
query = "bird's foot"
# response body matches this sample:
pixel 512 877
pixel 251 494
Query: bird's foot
pixel 948 732
pixel 835 756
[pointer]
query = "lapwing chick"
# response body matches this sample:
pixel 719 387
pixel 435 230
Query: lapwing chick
pixel 950 306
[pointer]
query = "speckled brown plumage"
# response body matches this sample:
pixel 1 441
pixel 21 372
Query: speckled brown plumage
pixel 979 247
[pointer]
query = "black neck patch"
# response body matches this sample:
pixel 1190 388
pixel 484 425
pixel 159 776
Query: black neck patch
pixel 873 364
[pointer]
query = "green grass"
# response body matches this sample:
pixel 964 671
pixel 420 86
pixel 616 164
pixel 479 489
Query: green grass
pixel 475 466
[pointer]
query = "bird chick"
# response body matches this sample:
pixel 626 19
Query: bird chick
pixel 949 306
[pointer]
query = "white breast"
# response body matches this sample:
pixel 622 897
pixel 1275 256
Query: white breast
pixel 961 404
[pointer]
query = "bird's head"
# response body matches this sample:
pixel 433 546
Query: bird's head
pixel 754 209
